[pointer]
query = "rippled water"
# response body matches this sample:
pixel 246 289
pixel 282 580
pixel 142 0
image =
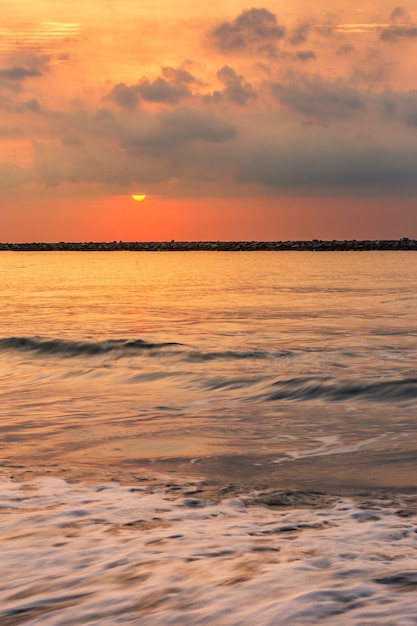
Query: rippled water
pixel 221 374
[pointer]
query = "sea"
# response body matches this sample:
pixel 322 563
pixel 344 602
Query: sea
pixel 208 438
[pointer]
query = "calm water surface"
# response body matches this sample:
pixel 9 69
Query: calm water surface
pixel 249 363
pixel 248 382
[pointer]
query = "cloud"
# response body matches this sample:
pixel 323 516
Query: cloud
pixel 400 107
pixel 33 105
pixel 236 89
pixel 399 14
pixel 300 33
pixel 401 27
pixel 14 106
pixel 170 88
pixel 11 175
pixel 252 27
pixel 124 96
pixel 21 66
pixel 160 90
pixel 375 74
pixel 173 129
pixel 395 33
pixel 305 55
pixel 19 72
pixel 112 148
pixel 316 97
pixel 268 50
pixel 108 147
pixel 323 163
pixel 345 50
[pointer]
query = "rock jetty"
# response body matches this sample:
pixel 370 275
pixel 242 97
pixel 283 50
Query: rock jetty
pixel 314 245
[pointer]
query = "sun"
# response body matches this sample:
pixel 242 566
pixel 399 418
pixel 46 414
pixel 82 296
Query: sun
pixel 139 198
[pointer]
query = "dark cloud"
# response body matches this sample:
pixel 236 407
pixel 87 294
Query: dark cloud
pixel 316 97
pixel 411 118
pixel 396 33
pixel 124 96
pixel 33 105
pixel 376 74
pixel 236 89
pixel 305 55
pixel 19 72
pixel 178 128
pixel 268 50
pixel 252 27
pixel 178 76
pixel 388 105
pixel 399 13
pixel 169 88
pixel 328 24
pixel 16 106
pixel 110 148
pixel 23 65
pixel 400 107
pixel 161 90
pixel 300 33
pixel 344 50
pixel 401 27
pixel 329 163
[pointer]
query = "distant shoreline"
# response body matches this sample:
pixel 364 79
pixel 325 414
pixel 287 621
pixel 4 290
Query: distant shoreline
pixel 314 245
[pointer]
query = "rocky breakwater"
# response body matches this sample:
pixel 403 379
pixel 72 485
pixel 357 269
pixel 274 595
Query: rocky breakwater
pixel 314 245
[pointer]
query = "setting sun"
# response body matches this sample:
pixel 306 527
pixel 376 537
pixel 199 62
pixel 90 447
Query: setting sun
pixel 138 198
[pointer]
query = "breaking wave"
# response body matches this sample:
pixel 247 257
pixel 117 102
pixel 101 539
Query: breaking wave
pixel 73 348
pixel 313 388
pixel 76 348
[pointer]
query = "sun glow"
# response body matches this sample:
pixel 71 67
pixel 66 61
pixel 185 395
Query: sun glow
pixel 138 198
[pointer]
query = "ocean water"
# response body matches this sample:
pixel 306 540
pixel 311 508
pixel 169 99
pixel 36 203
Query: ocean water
pixel 208 438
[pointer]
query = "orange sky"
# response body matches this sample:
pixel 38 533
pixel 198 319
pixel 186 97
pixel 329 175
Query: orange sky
pixel 275 121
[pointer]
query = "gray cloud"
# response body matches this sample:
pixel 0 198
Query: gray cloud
pixel 112 148
pixel 329 163
pixel 160 90
pixel 124 96
pixel 313 96
pixel 300 33
pixel 178 128
pixel 268 50
pixel 400 107
pixel 11 175
pixel 344 50
pixel 396 33
pixel 19 72
pixel 251 27
pixel 401 27
pixel 236 89
pixel 169 88
pixel 33 105
pixel 399 13
pixel 376 74
pixel 305 55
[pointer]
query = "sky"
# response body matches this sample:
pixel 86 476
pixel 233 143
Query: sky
pixel 271 121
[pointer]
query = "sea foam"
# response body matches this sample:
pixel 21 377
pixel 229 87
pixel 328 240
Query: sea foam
pixel 74 554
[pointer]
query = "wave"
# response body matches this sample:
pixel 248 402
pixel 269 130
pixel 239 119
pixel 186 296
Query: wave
pixel 65 347
pixel 195 356
pixel 72 348
pixel 313 388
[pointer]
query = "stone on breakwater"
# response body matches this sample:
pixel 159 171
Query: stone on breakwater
pixel 316 245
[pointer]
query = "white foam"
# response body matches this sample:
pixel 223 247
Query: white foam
pixel 107 555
